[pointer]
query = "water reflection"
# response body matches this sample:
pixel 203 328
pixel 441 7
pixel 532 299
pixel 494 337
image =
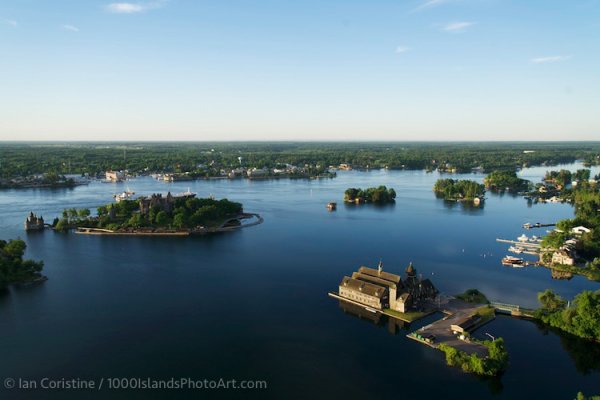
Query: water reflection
pixel 584 353
pixel 394 326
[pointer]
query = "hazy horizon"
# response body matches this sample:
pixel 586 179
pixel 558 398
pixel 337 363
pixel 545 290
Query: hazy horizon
pixel 420 70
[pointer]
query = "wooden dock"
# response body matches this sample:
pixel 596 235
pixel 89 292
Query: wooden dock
pixel 522 244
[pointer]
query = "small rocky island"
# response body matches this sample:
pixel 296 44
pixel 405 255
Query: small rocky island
pixel 499 181
pixel 459 190
pixel 13 269
pixel 170 215
pixel 376 195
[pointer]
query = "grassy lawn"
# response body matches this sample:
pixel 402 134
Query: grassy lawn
pixel 487 313
pixel 407 317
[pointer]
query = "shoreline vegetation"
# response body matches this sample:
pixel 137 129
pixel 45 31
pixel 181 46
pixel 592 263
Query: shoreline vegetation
pixel 180 215
pixel 376 195
pixel 46 180
pixel 21 166
pixel 506 180
pixel 459 190
pixel 580 318
pixel 14 270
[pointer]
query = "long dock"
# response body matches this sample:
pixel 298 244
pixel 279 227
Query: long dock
pixel 523 244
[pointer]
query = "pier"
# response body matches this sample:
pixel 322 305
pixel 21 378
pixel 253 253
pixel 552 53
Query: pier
pixel 522 244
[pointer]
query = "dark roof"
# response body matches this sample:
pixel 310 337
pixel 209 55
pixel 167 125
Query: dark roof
pixel 383 275
pixel 363 287
pixel 373 279
pixel 468 322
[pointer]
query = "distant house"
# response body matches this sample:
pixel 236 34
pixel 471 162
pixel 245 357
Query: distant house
pixel 563 256
pixel 254 172
pixel 115 176
pixel 580 230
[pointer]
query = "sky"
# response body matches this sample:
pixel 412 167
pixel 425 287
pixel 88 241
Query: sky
pixel 341 70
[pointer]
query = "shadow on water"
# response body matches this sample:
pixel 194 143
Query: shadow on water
pixel 370 206
pixel 584 353
pixel 465 206
pixel 393 325
pixel 396 327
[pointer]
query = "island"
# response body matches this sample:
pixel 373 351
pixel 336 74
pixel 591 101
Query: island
pixel 409 299
pixel 506 180
pixel 172 215
pixel 45 180
pixel 376 195
pixel 459 190
pixel 13 269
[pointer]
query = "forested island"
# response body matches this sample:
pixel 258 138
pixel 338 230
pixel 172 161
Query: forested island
pixel 459 189
pixel 183 214
pixel 376 195
pixel 15 270
pixel 506 180
pixel 22 161
pixel 45 180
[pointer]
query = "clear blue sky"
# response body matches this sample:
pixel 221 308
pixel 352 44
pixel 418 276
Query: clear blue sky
pixel 300 70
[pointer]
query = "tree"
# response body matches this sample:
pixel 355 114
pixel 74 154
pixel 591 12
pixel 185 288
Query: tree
pixel 162 218
pixel 550 301
pixel 83 213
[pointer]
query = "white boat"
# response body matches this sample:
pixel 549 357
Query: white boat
pixel 127 194
pixel 514 249
pixel 523 238
pixel 513 261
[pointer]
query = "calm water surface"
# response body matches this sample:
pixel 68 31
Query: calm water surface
pixel 253 304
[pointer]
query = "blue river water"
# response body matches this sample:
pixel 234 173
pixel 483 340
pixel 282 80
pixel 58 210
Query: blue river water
pixel 253 304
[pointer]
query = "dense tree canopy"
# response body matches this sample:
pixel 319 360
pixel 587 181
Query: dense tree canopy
pixel 13 269
pixel 18 159
pixel 581 318
pixel 378 195
pixel 506 180
pixel 456 189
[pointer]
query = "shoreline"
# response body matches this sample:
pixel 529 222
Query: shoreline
pixel 187 232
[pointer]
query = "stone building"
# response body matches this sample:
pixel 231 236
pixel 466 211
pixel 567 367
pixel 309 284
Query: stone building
pixel 157 200
pixel 115 176
pixel 33 222
pixel 380 290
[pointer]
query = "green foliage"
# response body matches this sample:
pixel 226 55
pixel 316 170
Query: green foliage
pixel 581 396
pixel 451 189
pixel 187 213
pixel 473 296
pixel 378 195
pixel 582 318
pixel 494 364
pixel 506 180
pixel 560 179
pixel 13 269
pixel 206 159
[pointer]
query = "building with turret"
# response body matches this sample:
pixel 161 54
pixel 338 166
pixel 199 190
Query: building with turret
pixel 381 290
pixel 164 203
pixel 34 223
